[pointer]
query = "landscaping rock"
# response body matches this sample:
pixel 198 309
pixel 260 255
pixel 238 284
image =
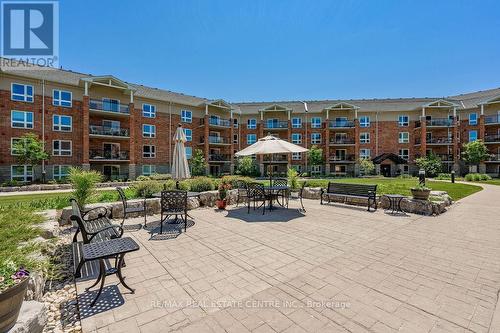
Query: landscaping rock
pixel 36 286
pixel 50 229
pixel 193 203
pixel 32 318
pixel 437 205
pixel 208 198
pixel 232 197
pixel 312 193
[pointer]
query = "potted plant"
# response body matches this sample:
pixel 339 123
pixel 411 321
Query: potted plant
pixel 13 285
pixel 222 200
pixel 420 192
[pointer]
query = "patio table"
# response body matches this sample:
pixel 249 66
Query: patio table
pixel 395 202
pixel 272 192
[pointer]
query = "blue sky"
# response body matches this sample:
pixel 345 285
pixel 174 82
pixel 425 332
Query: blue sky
pixel 251 50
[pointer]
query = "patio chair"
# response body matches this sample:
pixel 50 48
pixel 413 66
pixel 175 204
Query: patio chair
pixel 284 194
pixel 173 202
pixel 242 188
pixel 256 193
pixel 127 210
pixel 301 195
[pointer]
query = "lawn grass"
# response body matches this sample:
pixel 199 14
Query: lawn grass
pixel 495 181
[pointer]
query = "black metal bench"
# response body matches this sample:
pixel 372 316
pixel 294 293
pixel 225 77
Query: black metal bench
pixel 93 229
pixel 355 191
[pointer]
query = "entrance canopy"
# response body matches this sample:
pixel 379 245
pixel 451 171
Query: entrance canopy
pixel 389 156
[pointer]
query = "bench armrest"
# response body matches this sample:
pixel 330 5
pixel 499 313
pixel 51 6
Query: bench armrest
pixel 112 226
pixel 104 212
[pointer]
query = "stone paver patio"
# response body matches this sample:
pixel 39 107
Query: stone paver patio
pixel 336 268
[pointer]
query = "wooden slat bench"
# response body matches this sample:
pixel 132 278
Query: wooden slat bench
pixel 92 229
pixel 355 191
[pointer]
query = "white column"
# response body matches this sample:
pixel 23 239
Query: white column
pixel 86 93
pixel 423 111
pixel 482 109
pixel 454 112
pixel 355 113
pixel 131 96
pixel 206 109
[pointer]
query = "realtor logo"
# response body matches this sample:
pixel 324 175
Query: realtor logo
pixel 30 33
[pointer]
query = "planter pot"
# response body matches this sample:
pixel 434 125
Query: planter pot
pixel 10 304
pixel 221 204
pixel 420 194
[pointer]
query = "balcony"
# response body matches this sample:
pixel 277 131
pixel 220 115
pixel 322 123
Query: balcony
pixel 439 122
pixel 217 122
pixel 494 158
pixel 276 125
pixel 445 157
pixel 281 158
pixel 492 138
pixel 492 120
pixel 220 158
pixel 108 155
pixel 348 158
pixel 119 133
pixel 341 141
pixel 436 141
pixel 216 140
pixel 341 124
pixel 106 106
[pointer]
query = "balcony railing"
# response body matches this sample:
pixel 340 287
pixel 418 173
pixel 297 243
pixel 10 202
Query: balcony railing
pixel 105 130
pixel 96 104
pixel 342 141
pixel 343 158
pixel 492 138
pixel 216 140
pixel 435 141
pixel 98 154
pixel 494 158
pixel 445 157
pixel 276 125
pixel 439 122
pixel 341 124
pixel 219 157
pixel 276 158
pixel 495 119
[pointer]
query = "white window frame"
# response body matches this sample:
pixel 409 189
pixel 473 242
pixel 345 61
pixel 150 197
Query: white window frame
pixel 296 122
pixel 27 175
pixel 251 123
pixel 476 135
pixel 297 141
pixel 26 124
pixel 253 136
pixel 59 174
pixel 315 169
pixel 151 153
pixel 60 152
pixel 402 139
pixel 364 121
pixel 235 138
pixel 59 101
pixel 58 127
pixel 315 138
pixel 404 156
pixel 365 153
pixel 473 122
pixel 402 122
pixel 12 145
pixel 151 113
pixel 151 171
pixel 297 156
pixel 315 123
pixel 189 152
pixel 186 116
pixel 148 134
pixel 189 137
pixel 364 137
pixel 25 96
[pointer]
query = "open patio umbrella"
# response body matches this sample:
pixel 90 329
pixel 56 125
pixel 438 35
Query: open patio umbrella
pixel 271 145
pixel 180 167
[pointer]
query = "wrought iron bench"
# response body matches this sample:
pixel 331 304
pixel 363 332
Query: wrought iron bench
pixel 355 191
pixel 92 229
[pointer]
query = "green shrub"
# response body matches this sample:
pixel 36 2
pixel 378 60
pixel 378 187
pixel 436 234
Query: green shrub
pixel 201 184
pixel 293 178
pixel 443 176
pixel 233 180
pixel 476 177
pixel 146 188
pixel 84 183
pixel 405 176
pixel 160 176
pixel 431 163
pixel 142 178
pixel 316 183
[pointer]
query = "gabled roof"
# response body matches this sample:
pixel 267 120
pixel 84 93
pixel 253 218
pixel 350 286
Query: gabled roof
pixel 342 106
pixel 275 107
pixel 108 81
pixel 220 103
pixel 492 100
pixel 393 157
pixel 440 103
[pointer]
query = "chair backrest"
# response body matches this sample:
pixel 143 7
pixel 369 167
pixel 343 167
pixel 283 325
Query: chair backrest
pixel 255 190
pixel 280 182
pixel 173 201
pixel 123 197
pixel 77 219
pixel 241 186
pixel 352 189
pixel 304 184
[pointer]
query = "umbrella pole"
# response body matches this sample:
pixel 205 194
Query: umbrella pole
pixel 271 171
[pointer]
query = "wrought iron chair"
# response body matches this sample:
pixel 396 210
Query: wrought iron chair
pixel 130 210
pixel 301 195
pixel 256 193
pixel 173 202
pixel 242 188
pixel 283 194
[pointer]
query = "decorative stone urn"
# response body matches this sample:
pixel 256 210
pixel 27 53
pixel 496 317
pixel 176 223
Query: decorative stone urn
pixel 420 194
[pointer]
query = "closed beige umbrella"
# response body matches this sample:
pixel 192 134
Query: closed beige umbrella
pixel 180 167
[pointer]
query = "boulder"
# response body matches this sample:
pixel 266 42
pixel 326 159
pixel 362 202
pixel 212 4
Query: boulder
pixel 312 193
pixel 36 284
pixel 49 228
pixel 208 198
pixel 32 318
pixel 232 197
pixel 193 203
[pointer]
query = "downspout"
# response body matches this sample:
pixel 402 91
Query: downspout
pixel 43 130
pixel 376 134
pixel 170 135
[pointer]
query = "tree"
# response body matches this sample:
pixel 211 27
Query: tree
pixel 315 156
pixel 198 163
pixel 84 183
pixel 431 164
pixel 29 150
pixel 475 152
pixel 366 166
pixel 247 166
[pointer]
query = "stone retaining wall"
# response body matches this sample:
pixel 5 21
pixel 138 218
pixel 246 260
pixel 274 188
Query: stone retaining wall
pixel 53 187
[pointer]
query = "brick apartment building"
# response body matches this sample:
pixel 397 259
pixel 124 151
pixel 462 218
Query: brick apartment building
pixel 125 130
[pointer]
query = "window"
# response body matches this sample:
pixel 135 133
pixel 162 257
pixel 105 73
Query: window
pixel 13 143
pixel 61 123
pixel 235 122
pixel 60 171
pixel 403 120
pixel 235 139
pixel 149 151
pixel 364 121
pixel 404 154
pixel 472 118
pixel 148 131
pixel 272 123
pixel 297 168
pixel 296 122
pixel 296 156
pixel 109 104
pixel 296 138
pixel 189 134
pixel 22 92
pixel 21 119
pixel 316 138
pixel 251 139
pixel 404 137
pixel 251 123
pixel 315 122
pixel 148 170
pixel 364 153
pixel 364 137
pixel 186 116
pixel 148 111
pixel 316 169
pixel 472 135
pixel 23 173
pixel 61 148
pixel 189 152
pixel 61 98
